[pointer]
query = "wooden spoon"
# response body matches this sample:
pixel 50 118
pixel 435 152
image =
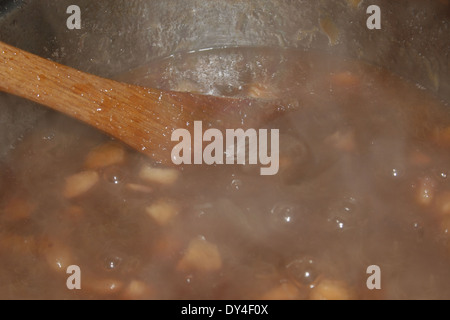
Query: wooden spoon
pixel 143 118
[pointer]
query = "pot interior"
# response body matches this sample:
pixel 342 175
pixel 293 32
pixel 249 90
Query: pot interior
pixel 363 158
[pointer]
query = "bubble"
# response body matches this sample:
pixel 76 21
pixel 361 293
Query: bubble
pixel 442 174
pixel 48 136
pixel 203 209
pixel 112 262
pixel 418 229
pixel 445 229
pixel 229 90
pixel 344 214
pixel 303 272
pixel 189 279
pixel 114 175
pixel 236 184
pixel 340 223
pixel 389 160
pixel 284 213
pixel 396 173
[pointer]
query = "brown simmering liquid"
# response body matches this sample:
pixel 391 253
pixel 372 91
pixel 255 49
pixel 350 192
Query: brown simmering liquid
pixel 364 180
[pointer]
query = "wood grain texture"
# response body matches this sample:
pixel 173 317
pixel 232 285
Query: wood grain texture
pixel 143 118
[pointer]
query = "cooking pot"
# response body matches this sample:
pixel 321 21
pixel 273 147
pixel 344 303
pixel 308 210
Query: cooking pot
pixel 117 36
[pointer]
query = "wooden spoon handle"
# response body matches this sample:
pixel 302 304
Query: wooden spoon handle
pixel 51 84
pixel 141 117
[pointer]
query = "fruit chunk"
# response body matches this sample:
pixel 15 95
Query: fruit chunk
pixel 18 209
pixel 261 91
pixel 201 256
pixel 343 141
pixel 443 203
pixel 137 290
pixel 285 291
pixel 16 244
pixel 167 248
pixel 345 80
pixel 419 159
pixel 331 30
pixel 74 213
pixel 425 191
pixel 57 255
pixel 162 212
pixel 80 183
pixel 138 188
pixel 159 175
pixel 104 156
pixel 441 136
pixel 330 290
